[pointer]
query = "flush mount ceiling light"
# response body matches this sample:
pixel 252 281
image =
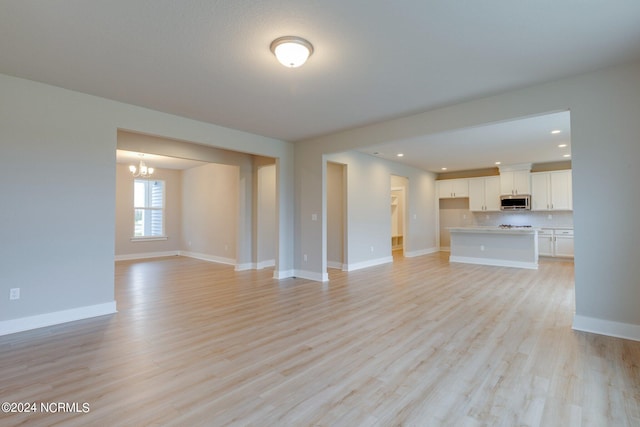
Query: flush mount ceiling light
pixel 291 51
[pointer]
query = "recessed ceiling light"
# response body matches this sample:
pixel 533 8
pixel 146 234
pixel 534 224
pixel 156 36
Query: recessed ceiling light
pixel 567 155
pixel 400 155
pixel 556 131
pixel 444 169
pixel 498 163
pixel 562 145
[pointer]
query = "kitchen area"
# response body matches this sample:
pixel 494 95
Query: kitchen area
pixel 507 216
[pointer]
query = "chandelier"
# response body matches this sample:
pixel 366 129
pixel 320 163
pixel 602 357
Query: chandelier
pixel 141 171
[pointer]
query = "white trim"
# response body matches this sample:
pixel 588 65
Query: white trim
pixel 206 257
pixel 311 275
pixel 146 255
pixel 494 262
pixel 420 252
pixel 245 266
pixel 606 327
pixel 200 256
pixel 148 238
pixel 283 274
pixel 369 263
pixel 265 264
pixel 515 167
pixel 55 318
pixel 335 264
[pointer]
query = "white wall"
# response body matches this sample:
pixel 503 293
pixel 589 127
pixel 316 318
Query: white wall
pixel 210 212
pixel 124 247
pixel 58 162
pixel 605 131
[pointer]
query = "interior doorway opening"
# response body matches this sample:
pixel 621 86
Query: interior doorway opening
pixel 399 185
pixel 336 215
pixel 219 205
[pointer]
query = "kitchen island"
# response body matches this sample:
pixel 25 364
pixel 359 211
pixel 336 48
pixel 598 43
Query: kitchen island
pixel 506 246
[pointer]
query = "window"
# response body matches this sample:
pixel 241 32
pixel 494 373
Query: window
pixel 148 206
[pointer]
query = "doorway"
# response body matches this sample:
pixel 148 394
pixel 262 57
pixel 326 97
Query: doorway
pixel 399 185
pixel 336 215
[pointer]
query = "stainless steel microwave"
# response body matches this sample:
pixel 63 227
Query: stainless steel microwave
pixel 521 202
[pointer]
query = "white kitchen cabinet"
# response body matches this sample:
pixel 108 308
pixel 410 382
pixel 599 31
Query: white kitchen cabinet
pixel 563 243
pixel 484 194
pixel 453 188
pixel 555 242
pixel 551 191
pixel 545 242
pixel 561 190
pixel 515 182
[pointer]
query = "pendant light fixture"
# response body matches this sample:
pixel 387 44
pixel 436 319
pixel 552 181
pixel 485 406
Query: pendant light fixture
pixel 291 51
pixel 142 171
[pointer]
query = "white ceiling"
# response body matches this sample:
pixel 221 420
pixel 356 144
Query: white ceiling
pixel 210 60
pixel 528 140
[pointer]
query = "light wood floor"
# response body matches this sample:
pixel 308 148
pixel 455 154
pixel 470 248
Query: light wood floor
pixel 418 342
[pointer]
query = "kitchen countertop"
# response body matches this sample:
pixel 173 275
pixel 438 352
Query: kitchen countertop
pixel 495 229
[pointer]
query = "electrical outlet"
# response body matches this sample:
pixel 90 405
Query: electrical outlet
pixel 14 293
pixel 305 257
pixel 371 248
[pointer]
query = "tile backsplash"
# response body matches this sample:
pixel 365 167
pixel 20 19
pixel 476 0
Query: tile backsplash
pixel 456 213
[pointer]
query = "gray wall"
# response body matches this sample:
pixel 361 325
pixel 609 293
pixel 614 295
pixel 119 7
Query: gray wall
pixel 605 132
pixel 210 212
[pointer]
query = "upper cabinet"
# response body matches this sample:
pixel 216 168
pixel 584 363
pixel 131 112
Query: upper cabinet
pixel 452 188
pixel 515 182
pixel 551 191
pixel 484 194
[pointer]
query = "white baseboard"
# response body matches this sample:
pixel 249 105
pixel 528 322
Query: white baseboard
pixel 57 317
pixel 283 274
pixel 201 256
pixel 420 252
pixel 606 327
pixel 311 275
pixel 494 262
pixel 335 264
pixel 369 263
pixel 146 255
pixel 266 264
pixel 243 267
pixel 207 257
